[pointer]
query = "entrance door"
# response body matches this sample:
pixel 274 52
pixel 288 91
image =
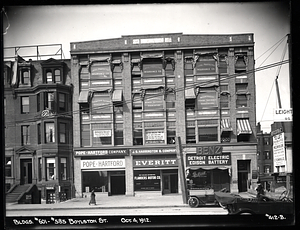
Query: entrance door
pixel 26 171
pixel 170 183
pixel 118 185
pixel 242 181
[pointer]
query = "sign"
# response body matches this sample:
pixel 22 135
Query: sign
pixel 102 133
pixel 152 151
pixel 101 152
pixel 147 176
pixel 208 160
pixel 279 150
pixel 103 164
pixel 283 115
pixel 155 162
pixel 155 135
pixel 207 100
pixel 209 150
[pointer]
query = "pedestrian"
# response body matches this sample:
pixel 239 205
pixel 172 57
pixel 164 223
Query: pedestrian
pixel 93 198
pixel 260 191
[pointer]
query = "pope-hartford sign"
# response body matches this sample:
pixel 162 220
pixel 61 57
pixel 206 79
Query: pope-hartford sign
pixel 103 164
pixel 101 152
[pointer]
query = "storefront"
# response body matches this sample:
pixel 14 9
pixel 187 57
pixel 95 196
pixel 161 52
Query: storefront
pixel 155 173
pixel 208 168
pixel 103 171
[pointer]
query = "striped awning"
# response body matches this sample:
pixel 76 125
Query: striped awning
pixel 225 125
pixel 83 97
pixel 243 127
pixel 190 93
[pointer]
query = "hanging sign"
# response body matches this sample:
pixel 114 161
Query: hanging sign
pixel 279 150
pixel 283 115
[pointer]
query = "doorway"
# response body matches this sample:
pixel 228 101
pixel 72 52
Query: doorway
pixel 243 171
pixel 26 171
pixel 170 183
pixel 117 184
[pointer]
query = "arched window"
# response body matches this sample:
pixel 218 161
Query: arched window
pixel 49 76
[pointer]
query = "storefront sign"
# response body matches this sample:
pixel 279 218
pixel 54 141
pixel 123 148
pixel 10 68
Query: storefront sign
pixel 209 150
pixel 103 164
pixel 279 150
pixel 152 151
pixel 155 162
pixel 147 176
pixel 208 160
pixel 101 152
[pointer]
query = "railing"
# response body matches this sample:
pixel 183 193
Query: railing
pixel 34 52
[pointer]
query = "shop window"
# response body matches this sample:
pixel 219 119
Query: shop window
pixel 118 135
pixel 62 103
pixel 25 132
pixel 101 134
pixel 208 134
pixel 24 105
pixel 50 169
pixel 85 135
pixel 147 181
pixel 63 168
pixel 63 133
pixel 8 167
pixel 40 166
pixel 137 133
pixel 49 132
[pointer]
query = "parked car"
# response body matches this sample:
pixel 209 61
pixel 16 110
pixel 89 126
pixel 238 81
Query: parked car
pixel 235 204
pixel 202 197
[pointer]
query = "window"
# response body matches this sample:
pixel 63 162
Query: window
pixel 101 103
pixel 38 102
pixel 190 132
pixel 24 105
pixel 63 168
pixel 207 99
pixel 222 63
pixel 49 100
pixel 8 167
pixel 85 135
pixel 224 101
pixel 240 63
pixel 25 135
pixel 153 100
pixel 170 101
pixel 102 134
pixel 205 64
pixel 171 132
pixel 267 155
pixel 266 141
pixel 49 76
pixel 39 133
pixel 137 133
pixel 241 100
pixel 208 134
pixel 57 76
pixel 25 79
pixel 62 105
pixel 40 166
pixel 190 104
pixel 267 169
pixel 50 169
pixel 118 134
pixel 49 132
pixel 241 87
pixel 63 133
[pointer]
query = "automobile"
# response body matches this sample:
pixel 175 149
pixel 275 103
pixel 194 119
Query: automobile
pixel 237 205
pixel 202 197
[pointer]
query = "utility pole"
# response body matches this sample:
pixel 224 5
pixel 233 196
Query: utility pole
pixel 181 170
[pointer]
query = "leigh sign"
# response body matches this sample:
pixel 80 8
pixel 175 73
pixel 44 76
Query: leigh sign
pixel 283 115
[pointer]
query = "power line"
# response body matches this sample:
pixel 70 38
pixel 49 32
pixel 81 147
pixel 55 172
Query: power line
pixel 70 113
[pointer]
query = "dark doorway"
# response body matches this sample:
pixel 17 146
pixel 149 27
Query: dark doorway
pixel 26 171
pixel 243 171
pixel 170 183
pixel 117 184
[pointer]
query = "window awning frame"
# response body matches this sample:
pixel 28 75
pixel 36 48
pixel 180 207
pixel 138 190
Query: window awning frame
pixel 243 127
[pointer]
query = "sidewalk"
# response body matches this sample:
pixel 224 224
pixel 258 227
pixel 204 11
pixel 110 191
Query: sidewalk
pixel 104 201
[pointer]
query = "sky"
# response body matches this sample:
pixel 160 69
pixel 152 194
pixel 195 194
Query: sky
pixel 63 24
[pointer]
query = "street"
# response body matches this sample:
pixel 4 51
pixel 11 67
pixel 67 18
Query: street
pixel 91 211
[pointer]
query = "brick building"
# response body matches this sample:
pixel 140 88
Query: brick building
pixel 38 127
pixel 133 95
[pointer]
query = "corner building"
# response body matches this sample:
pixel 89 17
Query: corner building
pixel 133 95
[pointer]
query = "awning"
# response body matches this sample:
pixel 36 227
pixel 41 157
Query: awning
pixel 243 127
pixel 83 96
pixel 225 125
pixel 117 95
pixel 190 93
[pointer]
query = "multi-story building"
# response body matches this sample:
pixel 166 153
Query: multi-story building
pixel 38 126
pixel 133 95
